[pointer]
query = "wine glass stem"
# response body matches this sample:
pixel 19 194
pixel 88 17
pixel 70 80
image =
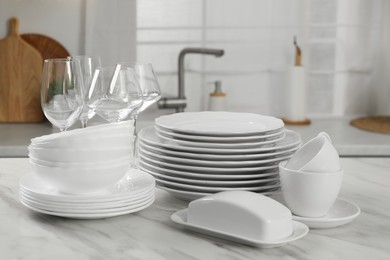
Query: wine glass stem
pixel 83 123
pixel 134 147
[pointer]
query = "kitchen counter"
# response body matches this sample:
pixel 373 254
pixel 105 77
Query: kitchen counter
pixel 150 234
pixel 348 140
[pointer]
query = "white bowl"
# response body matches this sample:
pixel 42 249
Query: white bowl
pixel 242 213
pixel 104 130
pixel 317 155
pixel 81 179
pixel 309 194
pixel 75 155
pixel 88 142
pixel 103 164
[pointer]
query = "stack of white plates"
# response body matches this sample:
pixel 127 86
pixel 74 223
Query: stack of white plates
pixel 196 154
pixel 131 194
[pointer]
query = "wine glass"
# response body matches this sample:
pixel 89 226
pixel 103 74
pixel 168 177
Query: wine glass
pixel 88 66
pixel 150 91
pixel 148 82
pixel 62 92
pixel 114 93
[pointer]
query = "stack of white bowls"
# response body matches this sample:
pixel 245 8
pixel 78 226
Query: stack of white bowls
pixel 83 160
pixel 86 162
pixel 196 154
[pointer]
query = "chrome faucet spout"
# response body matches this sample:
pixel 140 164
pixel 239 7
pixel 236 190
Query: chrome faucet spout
pixel 179 102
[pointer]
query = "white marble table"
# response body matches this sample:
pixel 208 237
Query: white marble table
pixel 150 234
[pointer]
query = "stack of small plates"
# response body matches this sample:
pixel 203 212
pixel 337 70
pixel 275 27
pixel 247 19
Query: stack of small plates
pixel 192 155
pixel 131 194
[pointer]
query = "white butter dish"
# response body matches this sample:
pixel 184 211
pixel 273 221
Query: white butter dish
pixel 242 216
pixel 299 231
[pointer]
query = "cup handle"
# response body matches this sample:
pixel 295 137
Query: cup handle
pixel 326 136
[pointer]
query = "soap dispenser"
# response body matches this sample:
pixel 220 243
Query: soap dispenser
pixel 217 100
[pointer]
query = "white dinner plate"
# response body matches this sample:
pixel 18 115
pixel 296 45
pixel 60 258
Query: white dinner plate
pixel 341 213
pixel 299 231
pixel 90 205
pixel 197 188
pixel 133 183
pixel 219 123
pixel 213 183
pixel 200 169
pixel 203 163
pixel 241 145
pixel 217 157
pixel 89 215
pixel 208 176
pixel 222 139
pixel 193 195
pixel 148 135
pixel 85 210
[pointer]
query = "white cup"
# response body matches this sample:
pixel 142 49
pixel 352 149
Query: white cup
pixel 317 156
pixel 309 194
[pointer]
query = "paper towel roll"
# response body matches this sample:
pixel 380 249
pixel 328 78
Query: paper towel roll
pixel 296 94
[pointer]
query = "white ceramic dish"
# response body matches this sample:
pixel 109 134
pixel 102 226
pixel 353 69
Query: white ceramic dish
pixel 240 145
pixel 98 131
pixel 80 180
pixel 198 188
pixel 200 169
pixel 213 183
pixel 216 157
pixel 299 231
pixel 317 156
pixel 209 176
pixel 120 202
pixel 219 123
pixel 222 139
pixel 107 141
pixel 148 135
pixel 193 195
pixel 342 212
pixel 90 215
pixel 86 209
pixel 242 213
pixel 206 163
pixel 81 155
pixel 132 184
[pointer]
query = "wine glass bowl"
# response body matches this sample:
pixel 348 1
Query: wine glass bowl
pixel 115 93
pixel 148 82
pixel 62 92
pixel 88 65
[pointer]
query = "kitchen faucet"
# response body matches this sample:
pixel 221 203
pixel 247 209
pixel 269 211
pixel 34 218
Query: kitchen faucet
pixel 179 102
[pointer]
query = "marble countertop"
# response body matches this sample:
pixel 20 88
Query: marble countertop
pixel 348 140
pixel 150 234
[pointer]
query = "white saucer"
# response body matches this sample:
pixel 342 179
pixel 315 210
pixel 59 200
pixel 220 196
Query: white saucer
pixel 299 231
pixel 341 213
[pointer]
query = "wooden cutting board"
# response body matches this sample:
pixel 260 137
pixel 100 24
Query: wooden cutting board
pixel 20 76
pixel 48 47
